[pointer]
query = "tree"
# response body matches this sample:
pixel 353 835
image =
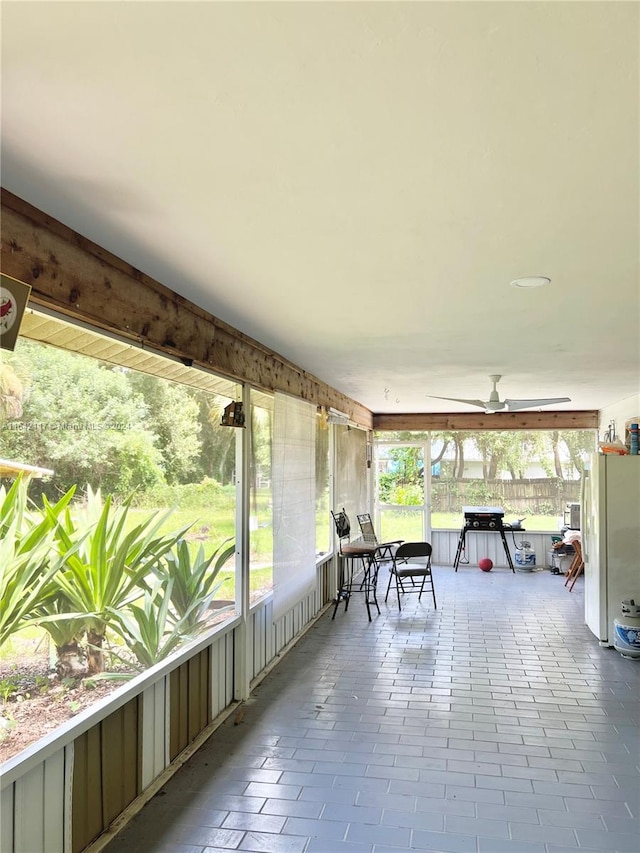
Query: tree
pixel 579 444
pixel 261 448
pixel 172 415
pixel 83 419
pixel 459 439
pixel 403 483
pixel 217 458
pixel 508 451
pixel 408 465
pixel 11 391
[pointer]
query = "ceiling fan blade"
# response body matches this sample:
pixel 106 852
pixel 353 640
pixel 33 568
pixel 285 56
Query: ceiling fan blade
pixel 515 405
pixel 479 403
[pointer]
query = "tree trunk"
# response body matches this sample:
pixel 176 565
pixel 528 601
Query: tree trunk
pixel 95 656
pixel 439 457
pixel 70 660
pixel 555 439
pixel 459 462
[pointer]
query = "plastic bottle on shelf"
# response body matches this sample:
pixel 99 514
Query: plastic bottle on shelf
pixel 633 439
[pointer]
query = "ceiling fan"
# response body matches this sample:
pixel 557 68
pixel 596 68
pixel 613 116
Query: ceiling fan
pixel 495 404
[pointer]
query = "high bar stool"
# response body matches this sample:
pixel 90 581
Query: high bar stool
pixel 357 567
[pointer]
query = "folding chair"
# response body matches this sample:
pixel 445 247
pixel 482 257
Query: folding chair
pixel 412 560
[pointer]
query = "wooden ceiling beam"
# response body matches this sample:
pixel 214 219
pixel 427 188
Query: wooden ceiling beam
pixel 448 422
pixel 74 276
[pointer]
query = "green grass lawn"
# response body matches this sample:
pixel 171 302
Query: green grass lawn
pixel 24 644
pixel 207 526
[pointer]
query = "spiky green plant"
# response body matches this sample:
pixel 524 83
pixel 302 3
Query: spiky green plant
pixel 149 629
pixel 28 558
pixel 106 570
pixel 194 581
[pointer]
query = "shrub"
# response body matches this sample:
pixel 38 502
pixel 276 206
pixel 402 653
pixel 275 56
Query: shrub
pixel 208 494
pixel 28 560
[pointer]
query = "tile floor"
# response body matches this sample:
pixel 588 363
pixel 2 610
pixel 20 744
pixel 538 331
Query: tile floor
pixel 494 725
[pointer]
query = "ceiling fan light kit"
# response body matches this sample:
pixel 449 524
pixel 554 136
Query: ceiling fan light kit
pixel 495 404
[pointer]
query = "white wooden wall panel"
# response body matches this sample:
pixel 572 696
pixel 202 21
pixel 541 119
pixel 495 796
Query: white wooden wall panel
pixel 217 677
pixel 221 674
pixel 69 758
pixel 54 801
pixel 269 639
pixel 39 808
pixel 270 648
pixel 154 755
pixel 228 651
pixel 167 716
pixel 259 651
pixel 478 545
pixel 28 812
pixel 6 819
pixel 444 546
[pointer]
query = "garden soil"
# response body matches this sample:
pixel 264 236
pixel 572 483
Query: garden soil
pixel 34 702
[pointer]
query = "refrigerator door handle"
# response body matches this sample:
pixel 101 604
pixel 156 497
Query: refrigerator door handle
pixel 585 526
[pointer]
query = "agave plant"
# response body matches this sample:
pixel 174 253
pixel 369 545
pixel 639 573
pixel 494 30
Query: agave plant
pixel 194 581
pixel 149 629
pixel 29 559
pixel 13 505
pixel 105 571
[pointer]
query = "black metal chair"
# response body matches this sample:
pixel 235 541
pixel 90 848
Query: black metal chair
pixel 411 561
pixel 357 567
pixel 385 549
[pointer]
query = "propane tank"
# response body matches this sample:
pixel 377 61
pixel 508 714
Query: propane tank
pixel 525 557
pixel 627 630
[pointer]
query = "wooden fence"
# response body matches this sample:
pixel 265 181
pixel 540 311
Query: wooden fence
pixel 543 496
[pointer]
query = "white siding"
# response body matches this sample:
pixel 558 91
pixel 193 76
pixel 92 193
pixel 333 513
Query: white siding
pixel 39 808
pixel 154 724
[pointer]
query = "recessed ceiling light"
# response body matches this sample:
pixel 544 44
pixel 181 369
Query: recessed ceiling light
pixel 531 281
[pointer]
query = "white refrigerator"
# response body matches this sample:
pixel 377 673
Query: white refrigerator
pixel 610 522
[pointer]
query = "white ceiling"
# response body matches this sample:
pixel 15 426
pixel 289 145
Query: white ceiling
pixel 355 184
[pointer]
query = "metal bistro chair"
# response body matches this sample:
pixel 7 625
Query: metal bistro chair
pixel 412 560
pixel 357 568
pixel 385 550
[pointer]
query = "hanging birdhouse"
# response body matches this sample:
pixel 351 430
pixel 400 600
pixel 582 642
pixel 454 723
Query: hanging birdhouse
pixel 233 415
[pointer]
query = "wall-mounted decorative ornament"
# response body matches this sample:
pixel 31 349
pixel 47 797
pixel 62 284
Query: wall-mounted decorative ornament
pixel 14 296
pixel 233 415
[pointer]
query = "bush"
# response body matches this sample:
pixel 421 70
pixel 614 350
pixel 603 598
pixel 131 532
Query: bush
pixel 208 494
pixel 408 496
